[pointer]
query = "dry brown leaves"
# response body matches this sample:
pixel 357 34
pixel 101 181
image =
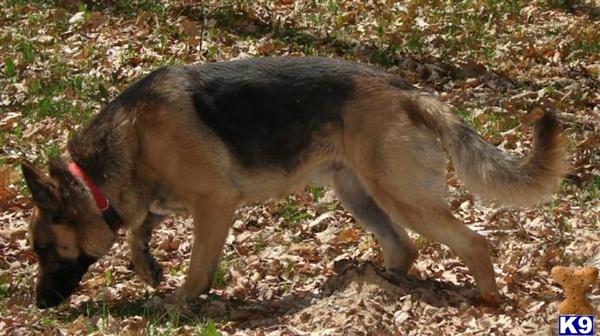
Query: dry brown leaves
pixel 318 275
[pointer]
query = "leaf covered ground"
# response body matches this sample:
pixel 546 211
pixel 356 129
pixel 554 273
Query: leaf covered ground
pixel 302 265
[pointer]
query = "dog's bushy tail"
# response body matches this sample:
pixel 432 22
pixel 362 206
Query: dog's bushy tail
pixel 491 173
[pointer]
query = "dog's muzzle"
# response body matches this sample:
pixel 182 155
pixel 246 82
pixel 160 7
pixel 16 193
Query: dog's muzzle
pixel 56 286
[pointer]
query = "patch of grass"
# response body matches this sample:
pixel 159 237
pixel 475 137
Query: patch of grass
pixel 17 131
pixel 208 329
pixel 49 107
pixel 421 241
pixel 415 42
pixel 51 150
pixel 9 67
pixel 260 243
pixel 219 274
pixel 500 8
pixel 27 51
pixel 566 5
pixel 4 288
pixel 587 47
pixel 500 122
pixel 316 192
pixel 472 26
pixel 130 8
pixel 291 213
pixel 47 321
pixel 550 90
pixel 54 102
pixel 333 206
pixel 289 265
pixel 566 226
pixel 108 277
pixel 594 188
pixel 468 116
pixel 176 270
pixel 160 321
pixel 385 56
pixel 286 287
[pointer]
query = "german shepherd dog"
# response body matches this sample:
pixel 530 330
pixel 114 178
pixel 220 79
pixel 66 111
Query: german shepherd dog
pixel 206 139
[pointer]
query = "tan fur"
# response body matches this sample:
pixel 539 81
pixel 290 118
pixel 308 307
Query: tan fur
pixel 491 173
pixel 66 241
pixel 97 240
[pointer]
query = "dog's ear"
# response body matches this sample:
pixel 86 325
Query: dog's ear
pixel 59 171
pixel 72 190
pixel 43 189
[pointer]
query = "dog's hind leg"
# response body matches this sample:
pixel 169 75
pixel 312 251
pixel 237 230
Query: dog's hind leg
pixel 428 215
pixel 403 170
pixel 399 252
pixel 144 264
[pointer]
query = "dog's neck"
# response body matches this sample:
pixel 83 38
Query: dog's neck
pixel 99 149
pixel 110 215
pixel 103 152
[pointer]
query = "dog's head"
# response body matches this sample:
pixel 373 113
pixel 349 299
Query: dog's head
pixel 67 231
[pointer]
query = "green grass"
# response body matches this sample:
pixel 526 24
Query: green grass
pixel 468 116
pixel 260 244
pixel 9 67
pixel 54 103
pixel 208 329
pixel 4 287
pixel 27 51
pixel 290 212
pixel 422 241
pixel 51 150
pixel 220 274
pixel 158 321
pixel 315 192
pixel 594 189
pixel 289 265
pixel 131 8
pixel 587 47
pixel 48 322
pixel 499 122
pixel 177 270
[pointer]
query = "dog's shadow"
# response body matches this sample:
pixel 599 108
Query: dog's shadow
pixel 255 313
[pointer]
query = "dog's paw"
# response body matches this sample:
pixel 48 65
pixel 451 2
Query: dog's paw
pixel 149 271
pixel 490 299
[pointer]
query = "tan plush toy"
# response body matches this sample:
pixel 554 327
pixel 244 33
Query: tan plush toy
pixel 576 283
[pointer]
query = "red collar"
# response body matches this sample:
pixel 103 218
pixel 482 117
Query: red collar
pixel 101 200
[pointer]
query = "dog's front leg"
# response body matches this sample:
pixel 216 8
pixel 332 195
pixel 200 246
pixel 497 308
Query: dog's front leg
pixel 143 262
pixel 212 220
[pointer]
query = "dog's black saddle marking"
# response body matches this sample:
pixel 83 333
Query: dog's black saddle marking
pixel 268 110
